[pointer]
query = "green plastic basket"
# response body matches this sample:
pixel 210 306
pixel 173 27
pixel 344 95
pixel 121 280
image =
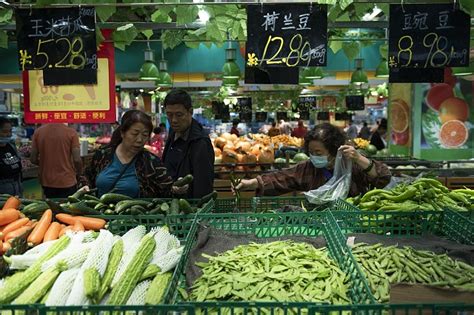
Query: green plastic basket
pixel 269 204
pixel 267 225
pixel 229 205
pixel 448 224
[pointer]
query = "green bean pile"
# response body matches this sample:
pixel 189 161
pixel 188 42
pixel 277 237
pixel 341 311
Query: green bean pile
pixel 424 194
pixel 389 265
pixel 282 271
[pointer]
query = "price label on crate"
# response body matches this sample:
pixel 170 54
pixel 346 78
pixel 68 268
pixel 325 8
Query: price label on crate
pixel 59 38
pixel 286 35
pixel 428 36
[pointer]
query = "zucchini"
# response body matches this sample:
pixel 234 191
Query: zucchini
pixel 174 207
pixel 186 180
pixel 81 208
pixel 113 198
pixel 185 206
pixel 124 204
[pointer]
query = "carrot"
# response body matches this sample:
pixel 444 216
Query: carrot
pixel 53 232
pixel 8 215
pixel 13 226
pixel 12 202
pixel 1 246
pixel 32 223
pixel 89 223
pixel 40 229
pixel 16 233
pixel 78 226
pixel 6 246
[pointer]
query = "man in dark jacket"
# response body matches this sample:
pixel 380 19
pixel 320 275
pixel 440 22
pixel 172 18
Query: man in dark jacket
pixel 188 149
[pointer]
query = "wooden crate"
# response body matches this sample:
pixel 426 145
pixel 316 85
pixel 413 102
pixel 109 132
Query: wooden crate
pixel 460 182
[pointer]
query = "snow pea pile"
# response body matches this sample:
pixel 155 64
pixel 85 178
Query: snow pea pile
pixel 282 271
pixel 388 265
pixel 424 194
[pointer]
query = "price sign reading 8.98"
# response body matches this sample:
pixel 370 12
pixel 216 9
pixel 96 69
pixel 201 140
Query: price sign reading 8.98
pixel 282 35
pixel 428 36
pixel 56 38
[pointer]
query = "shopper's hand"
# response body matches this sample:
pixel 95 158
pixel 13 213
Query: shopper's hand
pixel 179 190
pixel 85 189
pixel 246 184
pixel 350 152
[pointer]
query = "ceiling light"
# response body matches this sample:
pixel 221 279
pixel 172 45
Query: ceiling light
pixel 230 70
pixel 359 76
pixel 148 70
pixel 463 71
pixel 382 69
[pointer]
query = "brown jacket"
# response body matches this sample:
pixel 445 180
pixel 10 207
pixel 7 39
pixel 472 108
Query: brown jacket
pixel 305 177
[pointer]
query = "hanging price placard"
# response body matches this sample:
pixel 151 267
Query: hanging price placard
pixel 286 35
pixel 428 36
pixel 60 38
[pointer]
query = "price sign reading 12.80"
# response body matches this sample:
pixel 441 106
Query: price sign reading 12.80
pixel 59 38
pixel 428 36
pixel 284 35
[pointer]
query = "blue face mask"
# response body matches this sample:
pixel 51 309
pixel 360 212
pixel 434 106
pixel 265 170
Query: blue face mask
pixel 319 161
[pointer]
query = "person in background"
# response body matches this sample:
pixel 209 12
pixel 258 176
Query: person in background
pixel 188 149
pixel 234 130
pixel 157 141
pixel 321 144
pixel 56 150
pixel 378 137
pixel 10 161
pixel 364 132
pixel 300 131
pixel 126 167
pixel 351 130
pixel 163 132
pixel 285 128
pixel 274 130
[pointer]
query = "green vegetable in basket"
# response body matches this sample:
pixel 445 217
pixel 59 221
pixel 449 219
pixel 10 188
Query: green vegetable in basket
pixel 282 271
pixel 388 265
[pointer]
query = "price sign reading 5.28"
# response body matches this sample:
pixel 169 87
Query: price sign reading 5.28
pixel 428 36
pixel 56 38
pixel 282 35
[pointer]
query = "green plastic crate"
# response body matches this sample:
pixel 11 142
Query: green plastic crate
pixel 268 204
pixel 448 223
pixel 229 205
pixel 269 225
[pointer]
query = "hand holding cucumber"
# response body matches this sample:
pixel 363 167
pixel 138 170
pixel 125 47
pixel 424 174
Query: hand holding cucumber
pixel 181 185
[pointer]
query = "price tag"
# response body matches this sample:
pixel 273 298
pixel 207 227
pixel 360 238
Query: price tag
pixel 60 38
pixel 286 35
pixel 261 116
pixel 428 36
pixel 244 106
pixel 305 104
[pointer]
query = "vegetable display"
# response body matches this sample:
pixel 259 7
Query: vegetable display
pixel 283 271
pixel 424 194
pixel 388 265
pixel 82 268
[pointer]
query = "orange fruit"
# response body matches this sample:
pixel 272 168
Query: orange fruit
pixel 399 115
pixel 453 134
pixel 453 108
pixel 437 94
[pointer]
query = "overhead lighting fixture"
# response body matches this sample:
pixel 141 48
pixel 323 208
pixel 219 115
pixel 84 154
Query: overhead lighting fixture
pixel 230 70
pixel 359 76
pixel 463 71
pixel 164 78
pixel 230 82
pixel 149 70
pixel 382 69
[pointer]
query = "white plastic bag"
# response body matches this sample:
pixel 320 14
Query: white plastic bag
pixel 337 187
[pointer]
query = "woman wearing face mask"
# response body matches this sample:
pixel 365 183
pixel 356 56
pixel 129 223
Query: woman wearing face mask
pixel 10 161
pixel 322 144
pixel 125 167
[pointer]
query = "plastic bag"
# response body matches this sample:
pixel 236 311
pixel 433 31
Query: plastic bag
pixel 337 187
pixel 404 179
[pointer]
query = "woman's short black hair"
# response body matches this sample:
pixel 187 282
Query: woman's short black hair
pixel 330 136
pixel 128 119
pixel 177 96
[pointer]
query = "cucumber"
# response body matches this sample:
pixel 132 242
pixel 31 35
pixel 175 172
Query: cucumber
pixel 164 207
pixel 205 199
pixel 186 180
pixel 26 202
pixel 174 207
pixel 185 206
pixel 108 211
pixel 35 210
pixel 113 198
pixel 124 204
pixel 56 207
pixel 72 199
pixel 138 210
pixel 91 203
pixel 100 206
pixel 156 211
pixel 90 197
pixel 81 208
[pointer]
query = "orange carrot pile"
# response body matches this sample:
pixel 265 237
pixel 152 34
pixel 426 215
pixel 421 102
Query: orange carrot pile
pixel 14 224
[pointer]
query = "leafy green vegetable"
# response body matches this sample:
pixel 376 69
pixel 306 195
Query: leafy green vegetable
pixel 431 124
pixel 351 49
pixel 124 36
pixel 5 15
